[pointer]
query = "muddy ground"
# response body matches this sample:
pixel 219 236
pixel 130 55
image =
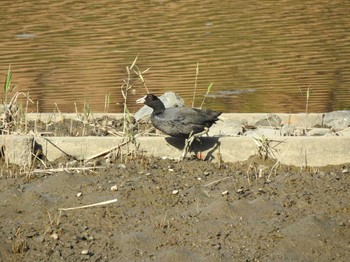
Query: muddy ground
pixel 175 211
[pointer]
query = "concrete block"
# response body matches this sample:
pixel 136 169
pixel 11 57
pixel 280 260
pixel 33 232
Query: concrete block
pixel 77 147
pixel 229 149
pixel 17 149
pixel 313 151
pixel 344 132
pixel 296 151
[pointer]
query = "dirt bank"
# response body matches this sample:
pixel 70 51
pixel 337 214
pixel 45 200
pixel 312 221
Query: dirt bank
pixel 177 211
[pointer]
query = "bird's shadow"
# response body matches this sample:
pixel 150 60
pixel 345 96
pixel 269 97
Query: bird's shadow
pixel 209 144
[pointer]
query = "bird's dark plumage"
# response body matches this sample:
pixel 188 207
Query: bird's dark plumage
pixel 179 121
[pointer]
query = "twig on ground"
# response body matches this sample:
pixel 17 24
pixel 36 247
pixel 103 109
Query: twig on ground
pixel 67 169
pixel 40 160
pixel 107 151
pixel 217 181
pixel 91 205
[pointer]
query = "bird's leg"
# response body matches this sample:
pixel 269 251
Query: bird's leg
pixel 188 142
pixel 190 139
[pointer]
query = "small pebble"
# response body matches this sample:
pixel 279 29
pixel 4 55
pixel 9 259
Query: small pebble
pixel 54 236
pixel 90 238
pixel 175 192
pixel 171 170
pixel 85 252
pixel 20 188
pixel 217 246
pixel 40 239
pixel 345 171
pixel 57 254
pixel 199 178
pixel 121 166
pixel 240 191
pixel 79 194
pixel 224 193
pixel 114 188
pixel 261 190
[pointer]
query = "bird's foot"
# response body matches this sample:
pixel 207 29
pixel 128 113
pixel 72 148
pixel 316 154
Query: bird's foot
pixel 190 139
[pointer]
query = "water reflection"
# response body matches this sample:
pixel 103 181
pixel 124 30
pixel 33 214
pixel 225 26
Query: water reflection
pixel 230 92
pixel 76 52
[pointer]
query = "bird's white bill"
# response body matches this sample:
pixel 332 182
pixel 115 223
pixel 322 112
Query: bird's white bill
pixel 141 100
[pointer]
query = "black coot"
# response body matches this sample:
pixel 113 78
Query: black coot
pixel 179 121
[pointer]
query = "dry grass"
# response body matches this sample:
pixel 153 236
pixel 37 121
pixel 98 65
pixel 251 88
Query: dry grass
pixel 13 121
pixel 19 245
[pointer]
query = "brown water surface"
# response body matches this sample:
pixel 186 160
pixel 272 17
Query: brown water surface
pixel 260 55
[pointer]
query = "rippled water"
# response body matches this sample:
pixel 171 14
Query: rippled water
pixel 261 56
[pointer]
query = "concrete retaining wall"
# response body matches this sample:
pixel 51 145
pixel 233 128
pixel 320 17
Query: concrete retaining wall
pixel 298 151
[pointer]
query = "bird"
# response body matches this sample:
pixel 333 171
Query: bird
pixel 179 121
pixel 182 122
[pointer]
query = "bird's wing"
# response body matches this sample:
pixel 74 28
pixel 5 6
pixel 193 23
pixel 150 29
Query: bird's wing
pixel 188 115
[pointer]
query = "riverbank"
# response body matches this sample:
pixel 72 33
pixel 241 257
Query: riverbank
pixel 166 210
pixel 161 209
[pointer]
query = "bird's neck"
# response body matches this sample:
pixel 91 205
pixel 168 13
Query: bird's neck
pixel 159 108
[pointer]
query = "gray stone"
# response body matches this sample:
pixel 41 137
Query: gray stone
pixel 302 120
pixel 260 132
pixel 270 120
pixel 337 119
pixel 320 132
pixel 226 128
pixel 170 99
